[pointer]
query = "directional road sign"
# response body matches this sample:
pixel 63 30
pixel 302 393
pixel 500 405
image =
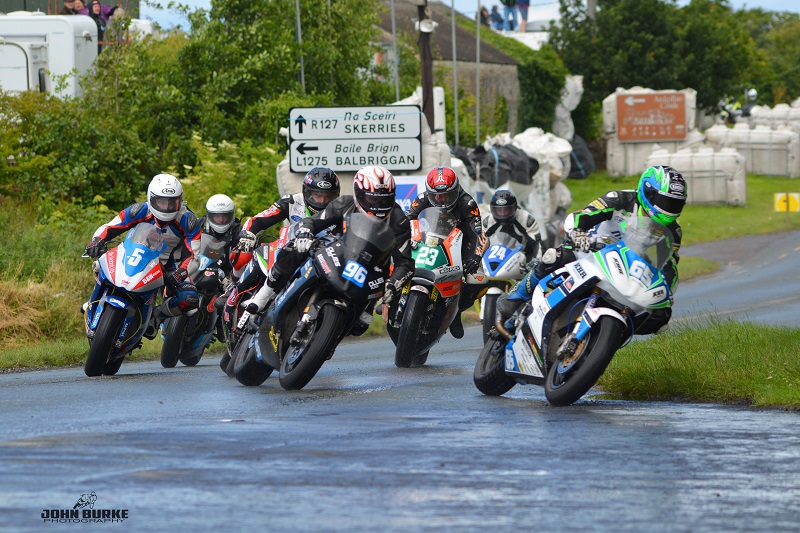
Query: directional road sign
pixel 348 138
pixel 352 154
pixel 651 117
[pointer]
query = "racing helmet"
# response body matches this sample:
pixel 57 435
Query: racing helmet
pixel 503 205
pixel 320 187
pixel 374 191
pixel 220 213
pixel 662 193
pixel 164 197
pixel 441 187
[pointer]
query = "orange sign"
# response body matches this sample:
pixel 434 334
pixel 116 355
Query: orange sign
pixel 651 117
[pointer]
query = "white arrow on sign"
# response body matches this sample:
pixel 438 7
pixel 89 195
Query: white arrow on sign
pixel 364 122
pixel 631 101
pixel 352 154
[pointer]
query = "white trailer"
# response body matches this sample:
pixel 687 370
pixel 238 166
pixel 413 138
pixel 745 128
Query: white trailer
pixel 36 48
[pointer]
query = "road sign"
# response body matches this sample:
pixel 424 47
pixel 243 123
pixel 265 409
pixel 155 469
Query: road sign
pixel 367 122
pixel 349 138
pixel 651 117
pixel 352 154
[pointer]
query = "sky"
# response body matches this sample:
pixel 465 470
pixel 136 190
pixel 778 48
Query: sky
pixel 539 10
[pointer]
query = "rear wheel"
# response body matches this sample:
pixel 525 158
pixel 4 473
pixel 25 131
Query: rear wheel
pixel 405 355
pixel 191 361
pixel 247 369
pixel 105 336
pixel 490 375
pixel 174 330
pixel 489 311
pixel 571 378
pixel 301 363
pixel 223 363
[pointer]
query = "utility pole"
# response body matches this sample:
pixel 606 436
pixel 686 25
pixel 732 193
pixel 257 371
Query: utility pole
pixel 426 60
pixel 591 8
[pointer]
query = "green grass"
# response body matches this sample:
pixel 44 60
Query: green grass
pixel 721 361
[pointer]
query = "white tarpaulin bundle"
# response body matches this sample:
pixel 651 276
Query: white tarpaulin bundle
pixel 767 152
pixel 712 177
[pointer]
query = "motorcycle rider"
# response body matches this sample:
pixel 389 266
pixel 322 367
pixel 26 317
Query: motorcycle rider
pixel 660 194
pixel 373 195
pixel 320 186
pixel 442 190
pixel 165 209
pixel 507 217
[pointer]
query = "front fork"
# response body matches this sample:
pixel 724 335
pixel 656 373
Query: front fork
pixel 307 320
pixel 582 326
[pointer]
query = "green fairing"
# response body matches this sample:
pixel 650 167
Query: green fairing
pixel 429 257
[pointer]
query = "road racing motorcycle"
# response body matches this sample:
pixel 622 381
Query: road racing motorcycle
pixel 504 265
pixel 128 278
pixel 325 301
pixel 186 337
pixel 581 314
pixel 428 305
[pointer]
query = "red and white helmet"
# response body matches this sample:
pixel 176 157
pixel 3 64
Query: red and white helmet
pixel 374 191
pixel 442 187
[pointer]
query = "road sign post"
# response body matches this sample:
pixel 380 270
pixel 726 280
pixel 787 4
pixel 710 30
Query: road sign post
pixel 348 138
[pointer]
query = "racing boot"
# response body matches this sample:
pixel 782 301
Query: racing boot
pixel 456 327
pixel 260 299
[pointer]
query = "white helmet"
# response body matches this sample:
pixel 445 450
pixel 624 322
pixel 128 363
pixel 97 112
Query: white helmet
pixel 220 212
pixel 752 94
pixel 164 197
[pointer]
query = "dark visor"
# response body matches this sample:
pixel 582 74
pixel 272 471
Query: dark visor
pixel 164 204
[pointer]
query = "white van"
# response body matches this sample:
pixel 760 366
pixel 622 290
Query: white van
pixel 35 47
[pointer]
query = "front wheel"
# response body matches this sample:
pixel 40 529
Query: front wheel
pixel 405 354
pixel 490 375
pixel 301 363
pixel 247 369
pixel 568 380
pixel 489 312
pixel 105 336
pixel 174 330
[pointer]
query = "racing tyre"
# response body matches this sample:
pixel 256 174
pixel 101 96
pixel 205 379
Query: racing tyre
pixel 247 369
pixel 490 375
pixel 568 380
pixel 301 363
pixel 105 335
pixel 174 330
pixel 112 367
pixel 405 355
pixel 489 311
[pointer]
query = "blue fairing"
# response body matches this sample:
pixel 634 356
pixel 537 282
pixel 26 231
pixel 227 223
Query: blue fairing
pixel 496 258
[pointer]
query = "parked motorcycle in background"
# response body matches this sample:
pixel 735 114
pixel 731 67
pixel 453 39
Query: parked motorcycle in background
pixel 324 302
pixel 580 315
pixel 429 304
pixel 186 337
pixel 119 309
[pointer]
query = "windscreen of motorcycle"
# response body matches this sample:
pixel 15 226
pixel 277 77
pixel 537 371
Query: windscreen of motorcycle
pixel 135 263
pixel 435 225
pixel 643 235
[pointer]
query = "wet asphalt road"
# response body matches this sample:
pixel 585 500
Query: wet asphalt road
pixel 369 447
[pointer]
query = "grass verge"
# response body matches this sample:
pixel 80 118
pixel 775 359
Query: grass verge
pixel 721 361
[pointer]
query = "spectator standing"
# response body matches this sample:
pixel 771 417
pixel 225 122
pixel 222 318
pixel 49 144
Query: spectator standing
pixel 484 16
pixel 95 13
pixel 68 8
pixel 509 14
pixel 522 7
pixel 105 11
pixel 79 8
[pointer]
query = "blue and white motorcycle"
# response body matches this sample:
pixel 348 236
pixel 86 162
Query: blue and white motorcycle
pixel 128 278
pixel 504 265
pixel 581 314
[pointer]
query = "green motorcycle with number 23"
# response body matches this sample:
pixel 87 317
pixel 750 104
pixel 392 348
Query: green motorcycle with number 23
pixel 429 303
